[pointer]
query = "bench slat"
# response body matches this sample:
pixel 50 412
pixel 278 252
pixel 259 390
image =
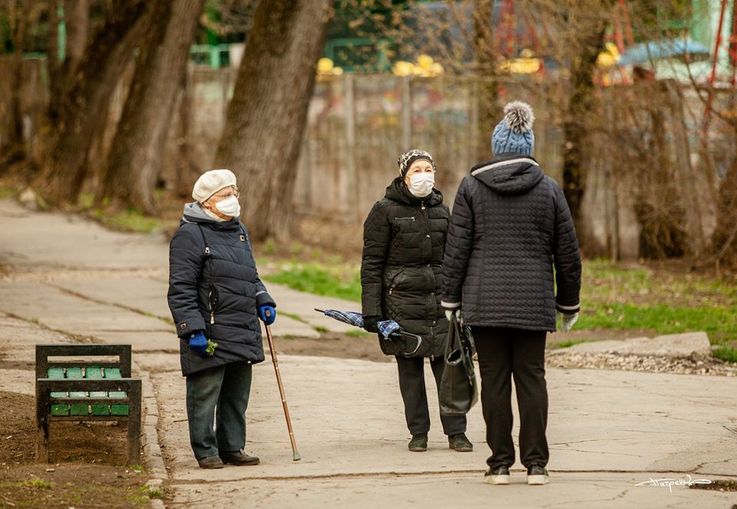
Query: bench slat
pixel 77 408
pixel 95 373
pixel 58 409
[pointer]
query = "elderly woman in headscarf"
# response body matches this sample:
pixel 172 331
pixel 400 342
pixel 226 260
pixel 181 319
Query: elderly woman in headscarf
pixel 404 236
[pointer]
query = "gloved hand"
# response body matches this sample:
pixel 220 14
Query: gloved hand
pixel 450 312
pixel 567 321
pixel 198 343
pixel 267 314
pixel 371 323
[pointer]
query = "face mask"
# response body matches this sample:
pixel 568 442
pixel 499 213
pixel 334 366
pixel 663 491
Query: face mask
pixel 229 206
pixel 420 184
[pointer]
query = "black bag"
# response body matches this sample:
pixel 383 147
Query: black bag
pixel 458 387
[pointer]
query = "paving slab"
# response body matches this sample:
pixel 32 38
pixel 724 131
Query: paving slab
pixel 33 300
pixel 348 420
pixel 567 490
pixel 52 240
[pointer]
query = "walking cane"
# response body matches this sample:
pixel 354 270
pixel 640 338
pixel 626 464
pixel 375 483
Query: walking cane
pixel 295 454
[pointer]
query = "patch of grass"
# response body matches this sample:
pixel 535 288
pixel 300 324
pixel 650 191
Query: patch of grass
pixel 725 353
pixel 718 322
pixel 6 192
pixel 39 484
pixel 569 343
pixel 321 329
pixel 129 220
pixel 327 280
pixel 358 333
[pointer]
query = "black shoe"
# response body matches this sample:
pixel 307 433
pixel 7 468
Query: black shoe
pixel 239 458
pixel 418 443
pixel 460 443
pixel 537 475
pixel 498 475
pixel 210 462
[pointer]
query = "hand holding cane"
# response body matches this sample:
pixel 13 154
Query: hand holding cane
pixel 295 453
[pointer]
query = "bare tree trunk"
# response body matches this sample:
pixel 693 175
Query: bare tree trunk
pixel 489 112
pixel 15 146
pixel 137 148
pixel 79 109
pixel 77 22
pixel 581 103
pixel 267 116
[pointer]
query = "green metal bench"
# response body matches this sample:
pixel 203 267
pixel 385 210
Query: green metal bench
pixel 87 390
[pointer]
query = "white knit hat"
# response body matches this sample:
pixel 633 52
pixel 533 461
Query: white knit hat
pixel 211 182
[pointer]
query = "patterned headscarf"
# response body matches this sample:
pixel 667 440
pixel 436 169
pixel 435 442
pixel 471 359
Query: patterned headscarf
pixel 406 160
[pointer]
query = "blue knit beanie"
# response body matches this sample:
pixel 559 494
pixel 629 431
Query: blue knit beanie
pixel 514 133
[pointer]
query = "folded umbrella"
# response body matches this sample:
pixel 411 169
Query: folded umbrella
pixel 389 329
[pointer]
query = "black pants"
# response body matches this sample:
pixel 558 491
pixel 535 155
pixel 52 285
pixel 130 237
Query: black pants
pixel 504 353
pixel 414 395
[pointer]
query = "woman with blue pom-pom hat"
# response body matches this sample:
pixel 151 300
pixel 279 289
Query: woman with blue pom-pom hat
pixel 511 262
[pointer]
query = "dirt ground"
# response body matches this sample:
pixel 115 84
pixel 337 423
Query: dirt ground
pixel 86 468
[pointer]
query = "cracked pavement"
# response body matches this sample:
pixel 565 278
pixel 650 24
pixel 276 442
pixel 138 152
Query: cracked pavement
pixel 68 280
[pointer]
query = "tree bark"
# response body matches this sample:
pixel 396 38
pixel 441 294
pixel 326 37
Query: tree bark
pixel 137 148
pixel 268 112
pixel 489 112
pixel 80 105
pixel 581 103
pixel 15 145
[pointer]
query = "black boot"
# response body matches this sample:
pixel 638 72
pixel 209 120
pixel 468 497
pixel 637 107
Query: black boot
pixel 460 443
pixel 238 458
pixel 418 443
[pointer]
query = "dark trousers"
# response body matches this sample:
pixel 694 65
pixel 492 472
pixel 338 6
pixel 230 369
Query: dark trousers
pixel 218 394
pixel 503 354
pixel 414 395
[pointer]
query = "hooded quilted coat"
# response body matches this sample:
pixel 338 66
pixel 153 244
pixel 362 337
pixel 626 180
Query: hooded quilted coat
pixel 214 287
pixel 400 270
pixel 512 255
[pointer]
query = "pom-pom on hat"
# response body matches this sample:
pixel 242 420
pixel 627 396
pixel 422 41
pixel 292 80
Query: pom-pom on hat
pixel 211 182
pixel 513 135
pixel 409 157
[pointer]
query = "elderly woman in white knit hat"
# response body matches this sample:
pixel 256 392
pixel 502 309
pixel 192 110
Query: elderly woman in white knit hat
pixel 216 299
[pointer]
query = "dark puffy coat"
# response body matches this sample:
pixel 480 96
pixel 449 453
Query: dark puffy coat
pixel 403 241
pixel 510 227
pixel 214 287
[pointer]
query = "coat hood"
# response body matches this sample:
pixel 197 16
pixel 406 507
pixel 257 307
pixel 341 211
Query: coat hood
pixel 194 213
pixel 509 173
pixel 398 191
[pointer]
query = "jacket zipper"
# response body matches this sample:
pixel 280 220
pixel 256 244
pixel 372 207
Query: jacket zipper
pixel 212 308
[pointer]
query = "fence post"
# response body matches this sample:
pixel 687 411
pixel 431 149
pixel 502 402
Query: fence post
pixel 352 195
pixel 406 113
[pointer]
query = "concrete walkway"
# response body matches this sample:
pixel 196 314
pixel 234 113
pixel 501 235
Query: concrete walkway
pixel 610 432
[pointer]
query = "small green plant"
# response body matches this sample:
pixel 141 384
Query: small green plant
pixel 725 353
pixel 152 492
pixel 39 484
pixel 321 329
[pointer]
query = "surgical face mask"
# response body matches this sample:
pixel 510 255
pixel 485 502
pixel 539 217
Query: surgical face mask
pixel 229 206
pixel 420 184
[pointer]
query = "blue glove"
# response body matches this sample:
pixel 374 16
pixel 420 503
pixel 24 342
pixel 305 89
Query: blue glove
pixel 267 314
pixel 198 343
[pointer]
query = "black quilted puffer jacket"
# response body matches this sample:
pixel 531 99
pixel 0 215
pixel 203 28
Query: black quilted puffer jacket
pixel 403 241
pixel 510 228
